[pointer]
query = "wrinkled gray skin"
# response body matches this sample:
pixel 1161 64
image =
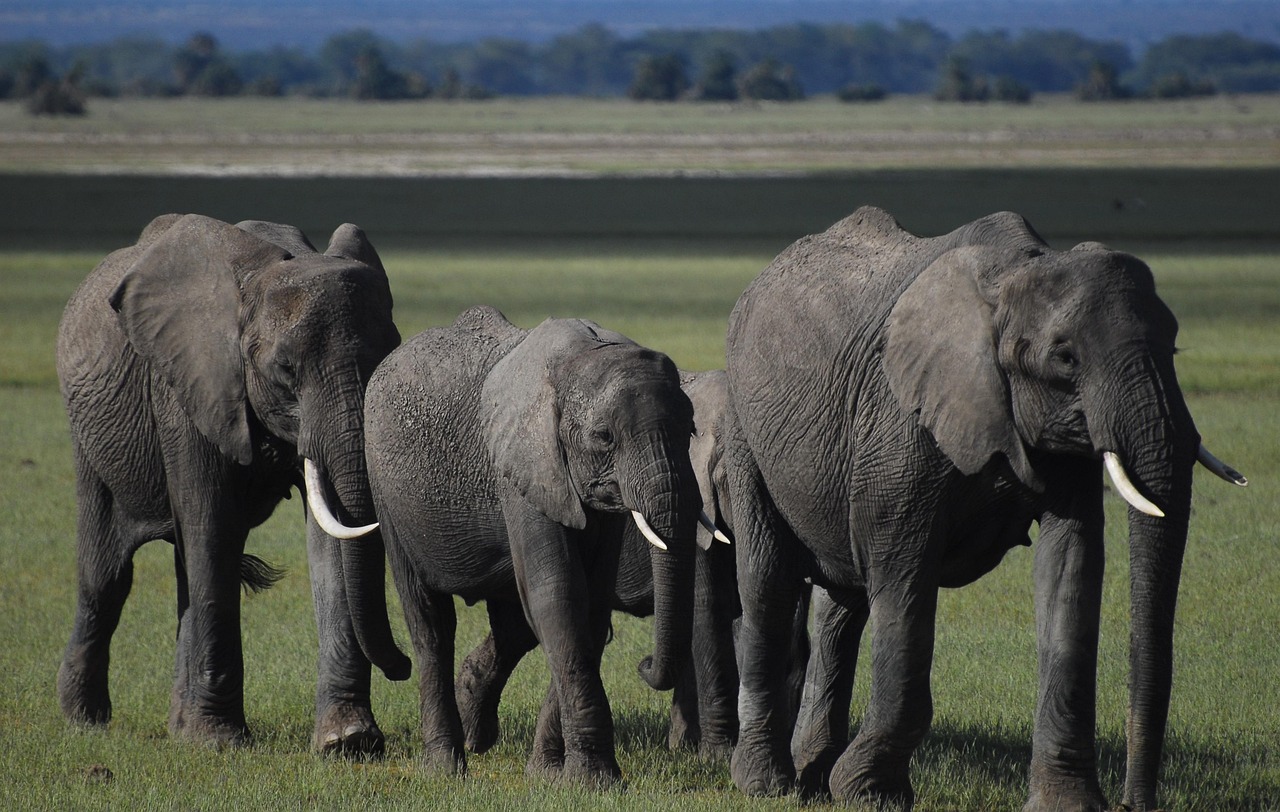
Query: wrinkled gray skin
pixel 704 714
pixel 504 464
pixel 198 367
pixel 901 410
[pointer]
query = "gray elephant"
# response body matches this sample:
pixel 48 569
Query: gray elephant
pixel 206 370
pixel 704 712
pixel 503 464
pixel 901 410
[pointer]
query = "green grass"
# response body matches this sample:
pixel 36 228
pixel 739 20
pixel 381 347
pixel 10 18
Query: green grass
pixel 1224 742
pixel 617 135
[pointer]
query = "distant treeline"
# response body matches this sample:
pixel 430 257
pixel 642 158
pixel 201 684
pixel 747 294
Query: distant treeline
pixel 859 62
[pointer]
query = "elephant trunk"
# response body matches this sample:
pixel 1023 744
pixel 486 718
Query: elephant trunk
pixel 665 492
pixel 363 559
pixel 1159 454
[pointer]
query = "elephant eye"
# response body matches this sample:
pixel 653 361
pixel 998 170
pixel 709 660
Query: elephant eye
pixel 1065 358
pixel 602 437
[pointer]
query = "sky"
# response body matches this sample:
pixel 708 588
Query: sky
pixel 254 24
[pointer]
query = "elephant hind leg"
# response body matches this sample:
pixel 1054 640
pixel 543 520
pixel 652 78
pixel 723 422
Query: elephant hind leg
pixel 485 672
pixel 433 622
pixel 104 573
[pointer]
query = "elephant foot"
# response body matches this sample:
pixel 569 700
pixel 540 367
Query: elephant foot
pixel 813 770
pixel 682 735
pixel 444 760
pixel 1083 795
pixel 216 733
pixel 591 771
pixel 716 751
pixel 84 700
pixel 857 778
pixel 545 765
pixel 348 731
pixel 758 770
pixel 480 729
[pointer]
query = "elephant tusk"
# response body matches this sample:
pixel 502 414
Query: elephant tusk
pixel 711 527
pixel 1220 468
pixel 319 507
pixel 1121 480
pixel 647 531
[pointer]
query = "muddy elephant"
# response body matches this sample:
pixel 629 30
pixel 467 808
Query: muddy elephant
pixel 901 409
pixel 207 370
pixel 504 463
pixel 704 714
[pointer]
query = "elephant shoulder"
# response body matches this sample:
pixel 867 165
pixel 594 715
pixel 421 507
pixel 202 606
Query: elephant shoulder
pixel 487 325
pixel 869 224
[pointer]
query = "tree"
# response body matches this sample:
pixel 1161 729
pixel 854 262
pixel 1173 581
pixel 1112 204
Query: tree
pixel 770 80
pixel 959 84
pixel 56 97
pixel 200 70
pixel 718 81
pixel 1102 84
pixel 659 78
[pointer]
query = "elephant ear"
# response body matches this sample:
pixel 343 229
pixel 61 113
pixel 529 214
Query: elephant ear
pixel 941 360
pixel 349 242
pixel 521 416
pixel 179 307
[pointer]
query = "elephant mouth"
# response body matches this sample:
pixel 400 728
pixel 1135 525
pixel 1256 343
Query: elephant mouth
pixel 604 495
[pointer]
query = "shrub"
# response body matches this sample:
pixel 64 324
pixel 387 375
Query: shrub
pixel 861 93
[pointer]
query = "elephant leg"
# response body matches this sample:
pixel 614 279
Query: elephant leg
pixel 715 666
pixel 566 585
pixel 547 759
pixel 768 586
pixel 104 575
pixel 1068 574
pixel 344 713
pixel 207 703
pixel 822 727
pixel 876 765
pixel 485 672
pixel 433 622
pixel 686 729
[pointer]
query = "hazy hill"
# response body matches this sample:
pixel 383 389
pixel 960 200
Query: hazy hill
pixel 240 24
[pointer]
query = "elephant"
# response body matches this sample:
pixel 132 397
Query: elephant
pixel 206 370
pixel 901 409
pixel 503 464
pixel 704 701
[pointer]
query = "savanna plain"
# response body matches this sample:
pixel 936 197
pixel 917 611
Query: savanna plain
pixel 1223 747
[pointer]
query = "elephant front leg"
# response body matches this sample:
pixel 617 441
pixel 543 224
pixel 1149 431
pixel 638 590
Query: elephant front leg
pixel 485 672
pixel 822 726
pixel 344 722
pixel 711 717
pixel 566 583
pixel 433 622
pixel 1068 573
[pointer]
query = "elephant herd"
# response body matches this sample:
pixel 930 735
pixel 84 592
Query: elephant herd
pixel 895 413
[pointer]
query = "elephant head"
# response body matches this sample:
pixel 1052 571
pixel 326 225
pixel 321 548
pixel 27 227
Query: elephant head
pixel 263 339
pixel 1022 353
pixel 580 419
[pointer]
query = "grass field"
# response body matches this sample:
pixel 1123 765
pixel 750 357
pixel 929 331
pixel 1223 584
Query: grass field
pixel 506 136
pixel 1224 742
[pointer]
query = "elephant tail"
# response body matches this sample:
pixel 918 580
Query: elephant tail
pixel 257 575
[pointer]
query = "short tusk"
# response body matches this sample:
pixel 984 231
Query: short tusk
pixel 647 530
pixel 319 507
pixel 1220 468
pixel 1121 480
pixel 711 527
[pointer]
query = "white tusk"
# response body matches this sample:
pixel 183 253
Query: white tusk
pixel 319 507
pixel 647 530
pixel 1220 468
pixel 711 526
pixel 1121 480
